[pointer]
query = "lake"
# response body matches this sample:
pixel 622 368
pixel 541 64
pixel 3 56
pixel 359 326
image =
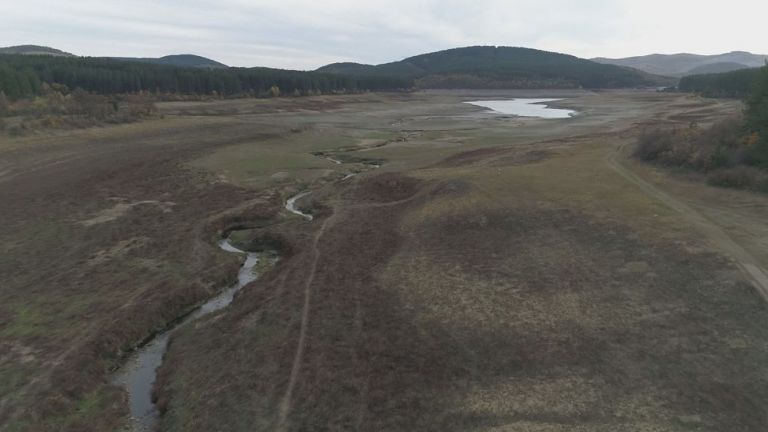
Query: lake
pixel 525 108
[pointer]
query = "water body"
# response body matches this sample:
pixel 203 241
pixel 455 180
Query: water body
pixel 139 373
pixel 290 205
pixel 526 108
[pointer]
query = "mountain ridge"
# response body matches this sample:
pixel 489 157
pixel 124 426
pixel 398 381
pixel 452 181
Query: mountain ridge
pixel 683 64
pixel 34 50
pixel 502 67
pixel 181 60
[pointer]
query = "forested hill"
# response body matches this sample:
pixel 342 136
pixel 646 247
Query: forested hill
pixel 34 50
pixel 182 60
pixel 735 84
pixel 23 75
pixel 503 67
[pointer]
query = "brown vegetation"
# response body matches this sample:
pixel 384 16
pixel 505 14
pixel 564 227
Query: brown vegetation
pixel 483 293
pixel 705 149
pixel 60 108
pixel 359 338
pixel 77 296
pixel 722 151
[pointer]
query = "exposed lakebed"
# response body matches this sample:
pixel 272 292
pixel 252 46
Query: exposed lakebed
pixel 526 108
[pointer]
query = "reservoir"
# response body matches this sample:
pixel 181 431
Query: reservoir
pixel 525 108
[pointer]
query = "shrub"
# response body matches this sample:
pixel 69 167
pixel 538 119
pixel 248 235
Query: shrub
pixel 653 143
pixel 4 104
pixel 741 177
pixel 721 158
pixel 15 131
pixel 719 146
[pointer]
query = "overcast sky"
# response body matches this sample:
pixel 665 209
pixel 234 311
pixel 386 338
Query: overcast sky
pixel 305 34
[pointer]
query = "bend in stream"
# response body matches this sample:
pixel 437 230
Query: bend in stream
pixel 290 205
pixel 140 371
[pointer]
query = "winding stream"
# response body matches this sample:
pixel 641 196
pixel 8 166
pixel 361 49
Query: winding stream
pixel 290 205
pixel 139 372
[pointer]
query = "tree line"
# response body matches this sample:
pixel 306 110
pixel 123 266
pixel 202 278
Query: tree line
pixel 735 84
pixel 756 116
pixel 23 76
pixel 732 153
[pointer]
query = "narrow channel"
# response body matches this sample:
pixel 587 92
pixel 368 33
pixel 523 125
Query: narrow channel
pixel 290 205
pixel 138 375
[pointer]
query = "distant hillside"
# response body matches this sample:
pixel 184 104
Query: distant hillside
pixel 34 50
pixel 24 75
pixel 737 84
pixel 678 65
pixel 713 68
pixel 502 67
pixel 181 60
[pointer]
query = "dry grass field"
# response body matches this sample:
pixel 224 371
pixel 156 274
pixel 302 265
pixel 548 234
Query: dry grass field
pixel 495 273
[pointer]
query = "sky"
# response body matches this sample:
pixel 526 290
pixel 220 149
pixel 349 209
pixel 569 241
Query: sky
pixel 306 34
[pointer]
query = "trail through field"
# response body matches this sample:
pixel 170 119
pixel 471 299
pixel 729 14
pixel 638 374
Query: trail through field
pixel 749 265
pixel 285 404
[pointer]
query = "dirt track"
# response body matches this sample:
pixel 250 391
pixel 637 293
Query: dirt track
pixel 751 267
pixel 285 405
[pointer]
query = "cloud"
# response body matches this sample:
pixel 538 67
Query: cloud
pixel 304 34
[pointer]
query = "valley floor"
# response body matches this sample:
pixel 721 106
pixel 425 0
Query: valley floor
pixel 495 273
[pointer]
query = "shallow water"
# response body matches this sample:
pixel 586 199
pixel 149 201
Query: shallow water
pixel 525 108
pixel 290 205
pixel 140 371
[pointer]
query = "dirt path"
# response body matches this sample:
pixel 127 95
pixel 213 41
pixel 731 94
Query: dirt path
pixel 716 235
pixel 285 404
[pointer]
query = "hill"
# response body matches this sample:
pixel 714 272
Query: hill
pixel 679 65
pixel 34 50
pixel 712 68
pixel 738 84
pixel 24 75
pixel 181 60
pixel 502 67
